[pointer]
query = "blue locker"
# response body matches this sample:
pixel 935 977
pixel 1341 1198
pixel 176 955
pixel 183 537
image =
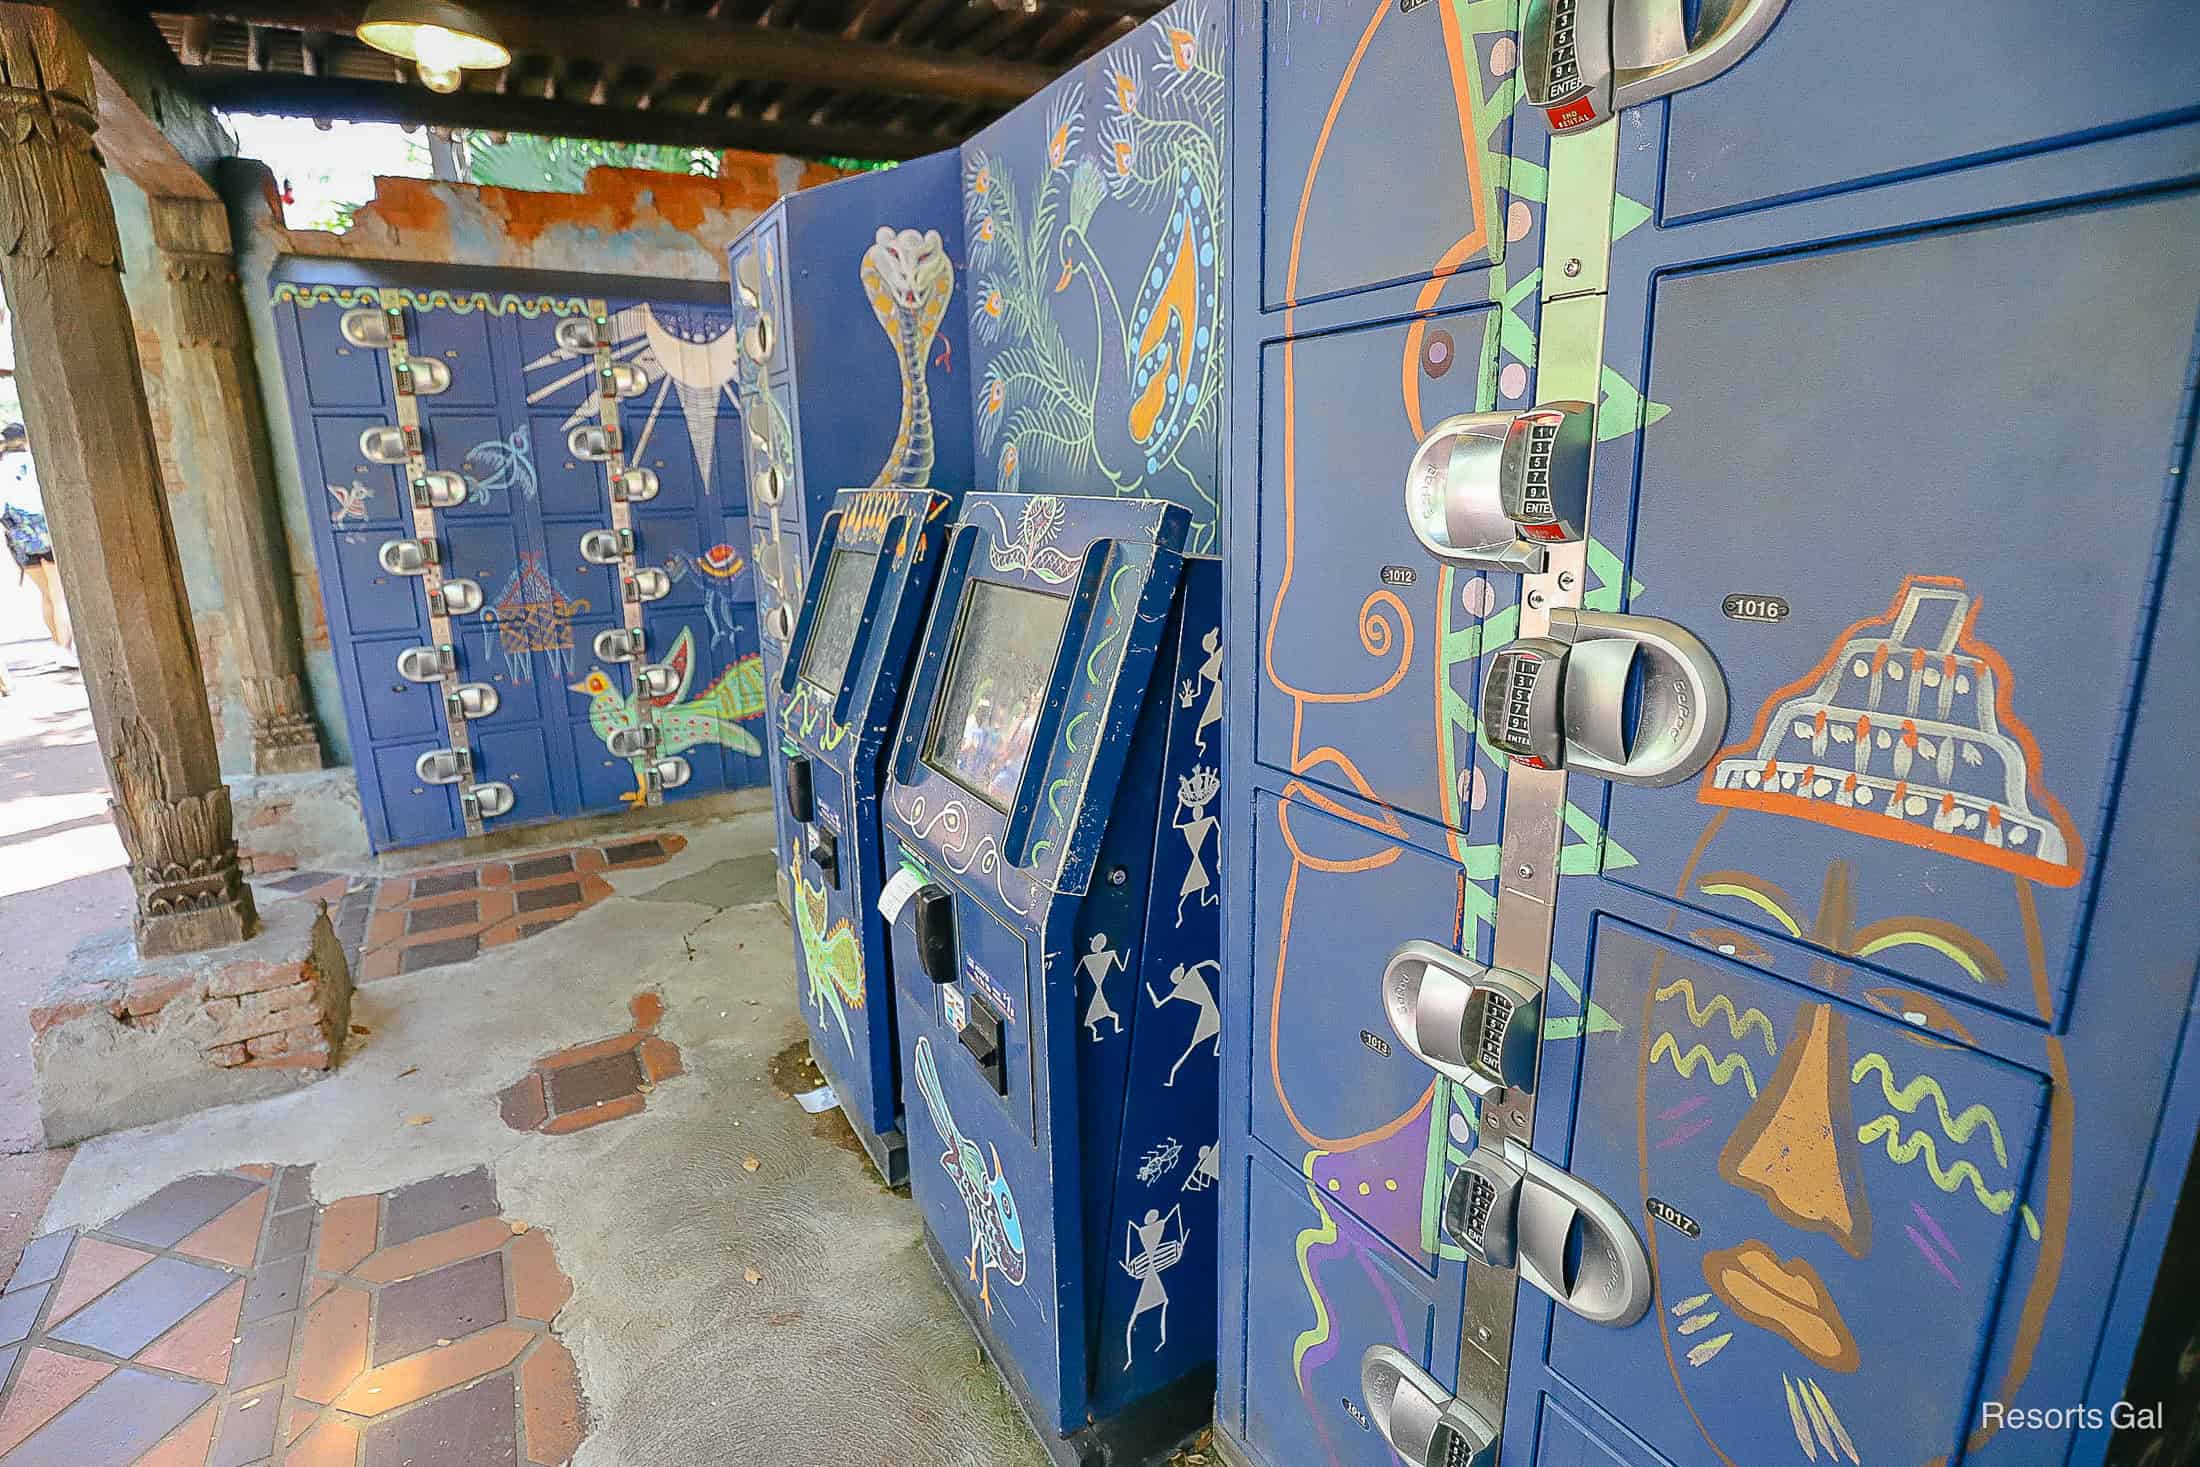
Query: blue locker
pixel 1095 213
pixel 1846 1024
pixel 500 424
pixel 1053 912
pixel 1361 811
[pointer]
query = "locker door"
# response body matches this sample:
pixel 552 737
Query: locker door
pixel 1386 242
pixel 1894 417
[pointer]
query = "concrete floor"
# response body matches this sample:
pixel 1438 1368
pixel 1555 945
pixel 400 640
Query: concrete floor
pixel 61 880
pixel 844 1349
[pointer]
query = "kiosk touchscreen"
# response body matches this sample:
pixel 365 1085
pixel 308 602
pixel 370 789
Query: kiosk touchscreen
pixel 1054 915
pixel 878 555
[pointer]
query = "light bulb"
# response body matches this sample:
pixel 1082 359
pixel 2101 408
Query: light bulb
pixel 437 49
pixel 440 79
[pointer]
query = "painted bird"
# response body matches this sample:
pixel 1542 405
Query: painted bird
pixel 996 1230
pixel 715 717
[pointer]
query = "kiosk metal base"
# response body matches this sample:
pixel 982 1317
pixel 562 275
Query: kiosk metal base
pixel 889 1152
pixel 1142 1436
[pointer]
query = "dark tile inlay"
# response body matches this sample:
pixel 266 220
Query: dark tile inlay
pixel 592 1082
pixel 438 1203
pixel 442 883
pixel 143 1307
pixel 179 1209
pixel 274 1289
pixel 542 898
pixel 247 1431
pixel 540 866
pixel 634 850
pixel 287 1235
pixel 529 929
pixel 436 954
pixel 41 1260
pixel 477 1427
pixel 117 1420
pixel 303 881
pixel 447 1304
pixel 293 1188
pixel 262 1352
pixel 18 1312
pixel 435 919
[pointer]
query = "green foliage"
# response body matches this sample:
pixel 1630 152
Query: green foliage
pixel 856 165
pixel 560 165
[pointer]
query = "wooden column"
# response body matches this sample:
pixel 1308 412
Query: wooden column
pixel 212 387
pixel 84 402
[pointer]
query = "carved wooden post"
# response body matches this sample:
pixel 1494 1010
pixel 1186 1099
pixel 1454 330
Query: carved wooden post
pixel 84 401
pixel 212 385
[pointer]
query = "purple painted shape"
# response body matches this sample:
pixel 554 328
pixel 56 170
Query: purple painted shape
pixel 1694 1102
pixel 1401 1159
pixel 1930 1256
pixel 1685 1133
pixel 1934 1228
pixel 1390 1301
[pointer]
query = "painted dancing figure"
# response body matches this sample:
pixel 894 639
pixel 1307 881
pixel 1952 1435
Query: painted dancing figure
pixel 1194 793
pixel 1150 1249
pixel 1096 965
pixel 1210 676
pixel 1187 984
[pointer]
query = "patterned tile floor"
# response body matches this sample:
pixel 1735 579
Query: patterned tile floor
pixel 452 914
pixel 730 1255
pixel 228 1320
pixel 587 1084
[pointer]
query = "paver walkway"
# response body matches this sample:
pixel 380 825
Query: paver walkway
pixel 338 1277
pixel 228 1320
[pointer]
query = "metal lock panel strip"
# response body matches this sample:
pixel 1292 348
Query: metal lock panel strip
pixel 424 529
pixel 622 520
pixel 1577 244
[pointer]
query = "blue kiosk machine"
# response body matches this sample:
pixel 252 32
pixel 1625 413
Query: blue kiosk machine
pixel 849 303
pixel 878 554
pixel 1054 912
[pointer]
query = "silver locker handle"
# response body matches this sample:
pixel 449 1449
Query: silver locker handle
pixel 1475 1025
pixel 1582 61
pixel 1611 1286
pixel 1424 1423
pixel 1684 706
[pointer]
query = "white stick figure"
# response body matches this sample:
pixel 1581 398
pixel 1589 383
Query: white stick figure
pixel 1151 1248
pixel 1194 793
pixel 1096 965
pixel 1187 984
pixel 1210 676
pixel 1206 1171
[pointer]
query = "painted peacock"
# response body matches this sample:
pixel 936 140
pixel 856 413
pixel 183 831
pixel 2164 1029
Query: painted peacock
pixel 996 1230
pixel 830 955
pixel 735 697
pixel 1156 366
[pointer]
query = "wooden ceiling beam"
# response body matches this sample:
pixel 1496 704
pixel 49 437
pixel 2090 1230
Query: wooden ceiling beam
pixel 346 100
pixel 654 38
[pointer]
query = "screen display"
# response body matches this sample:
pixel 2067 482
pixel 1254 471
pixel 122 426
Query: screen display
pixel 996 680
pixel 839 614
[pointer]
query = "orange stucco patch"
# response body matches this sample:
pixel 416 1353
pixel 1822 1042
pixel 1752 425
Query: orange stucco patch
pixel 408 204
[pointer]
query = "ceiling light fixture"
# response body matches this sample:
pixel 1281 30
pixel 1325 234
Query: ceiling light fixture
pixel 442 41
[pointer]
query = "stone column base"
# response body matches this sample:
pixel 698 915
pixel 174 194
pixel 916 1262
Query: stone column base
pixel 123 1039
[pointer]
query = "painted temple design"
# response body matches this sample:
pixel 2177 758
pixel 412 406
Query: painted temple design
pixel 1904 732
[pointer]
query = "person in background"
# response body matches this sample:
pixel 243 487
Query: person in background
pixel 23 522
